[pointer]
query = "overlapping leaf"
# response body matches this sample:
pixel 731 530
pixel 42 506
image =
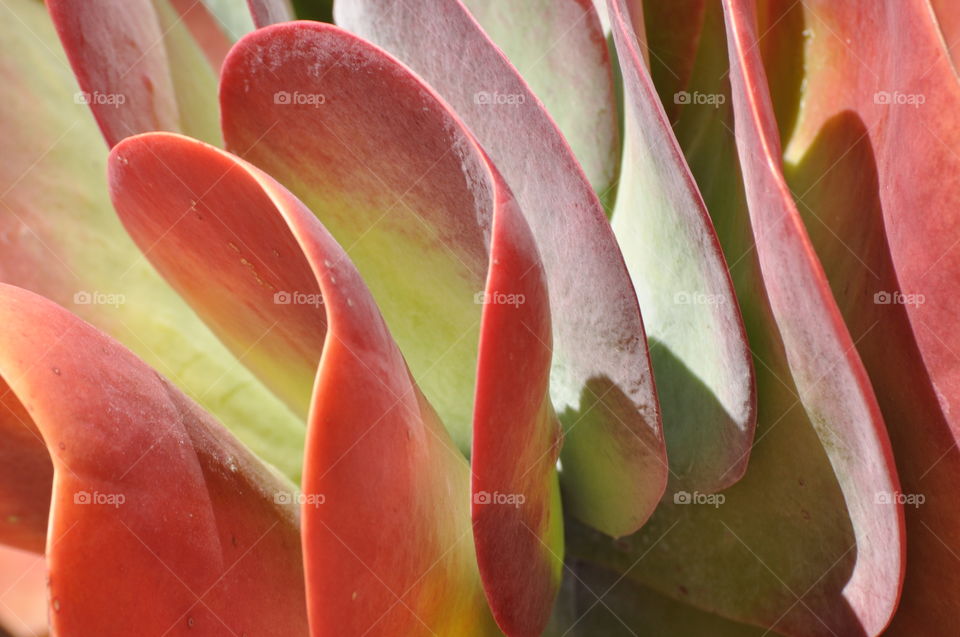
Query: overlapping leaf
pixel 807 530
pixel 385 493
pixel 514 448
pixel 699 351
pixel 418 207
pixel 872 159
pixel 814 531
pixel 700 354
pixel 559 49
pixel 138 67
pixel 614 469
pixel 62 239
pixel 149 493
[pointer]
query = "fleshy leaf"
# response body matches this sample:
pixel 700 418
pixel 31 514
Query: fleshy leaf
pixel 138 67
pixel 814 529
pixel 559 48
pixel 366 408
pixel 614 466
pixel 63 240
pixel 517 522
pixel 845 413
pixel 872 159
pixel 419 208
pixel 152 499
pixel 697 342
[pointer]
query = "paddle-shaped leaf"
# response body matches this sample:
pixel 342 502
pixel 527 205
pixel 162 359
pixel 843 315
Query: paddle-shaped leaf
pixel 559 49
pixel 614 467
pixel 813 529
pixel 872 160
pixel 281 284
pixel 400 182
pixel 697 342
pixel 138 67
pixel 62 239
pixel 844 413
pixel 151 497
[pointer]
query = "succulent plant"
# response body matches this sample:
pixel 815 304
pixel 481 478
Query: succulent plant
pixel 479 317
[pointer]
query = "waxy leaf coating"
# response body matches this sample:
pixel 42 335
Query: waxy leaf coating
pixel 614 464
pixel 62 239
pixel 697 341
pixel 386 447
pixel 314 310
pixel 151 497
pixel 872 160
pixel 813 530
pixel 441 243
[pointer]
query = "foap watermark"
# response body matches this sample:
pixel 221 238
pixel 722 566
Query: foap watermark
pixel 711 499
pixel 897 98
pixel 93 297
pixel 898 298
pixel 486 98
pixel 297 298
pixel 312 499
pixel 895 497
pixel 512 499
pixel 96 98
pixel 697 298
pixel 286 98
pixel 116 500
pixel 699 99
pixel 499 298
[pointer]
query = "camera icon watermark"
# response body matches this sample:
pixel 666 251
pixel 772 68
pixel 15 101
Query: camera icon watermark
pixel 499 298
pixel 915 500
pixel 287 498
pixel 515 500
pixel 296 98
pixel 116 500
pixel 715 500
pixel 96 98
pixel 697 298
pixel 88 297
pixel 697 98
pixel 486 98
pixel 283 297
pixel 896 98
pixel 898 298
